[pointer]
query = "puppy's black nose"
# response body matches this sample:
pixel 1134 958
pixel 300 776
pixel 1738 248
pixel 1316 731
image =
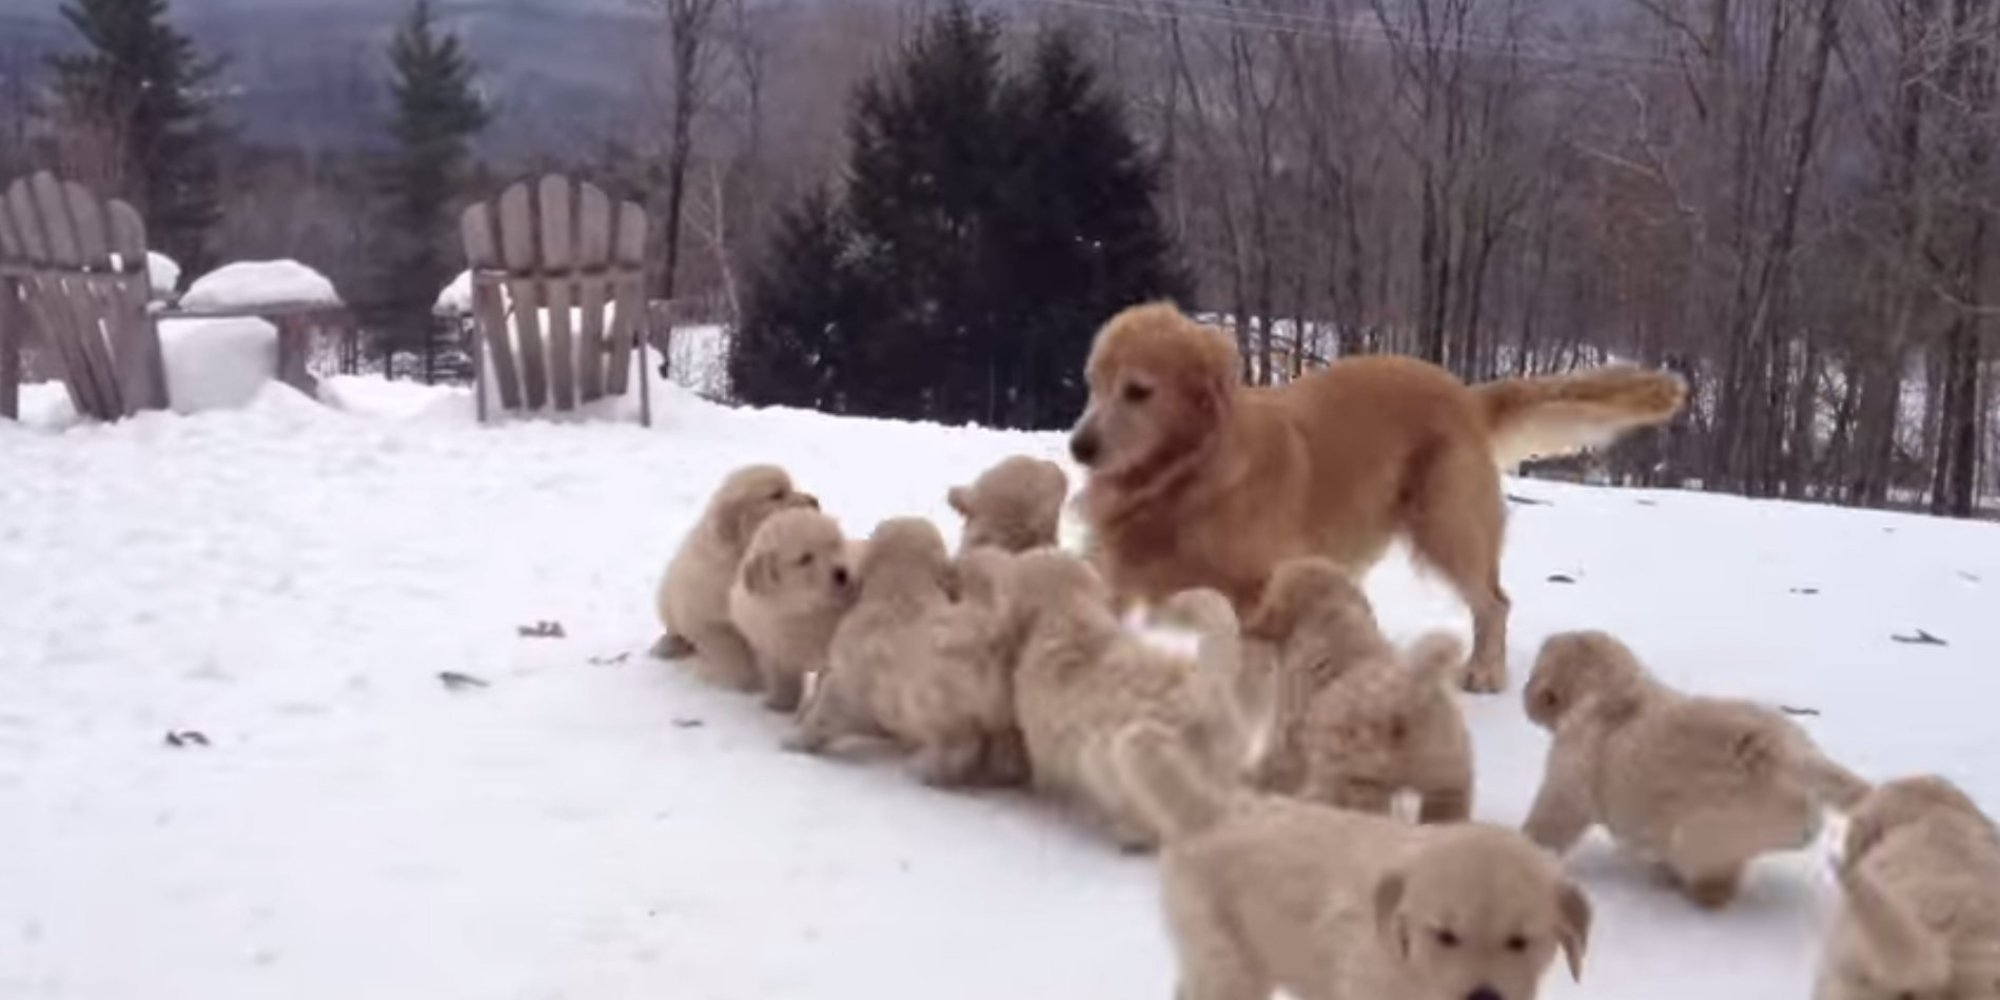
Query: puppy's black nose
pixel 1083 447
pixel 840 576
pixel 1484 993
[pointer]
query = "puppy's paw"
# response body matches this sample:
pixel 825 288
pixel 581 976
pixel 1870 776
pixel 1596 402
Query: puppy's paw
pixel 672 647
pixel 1486 676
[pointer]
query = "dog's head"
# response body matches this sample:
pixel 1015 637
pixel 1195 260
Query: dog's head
pixel 904 556
pixel 1478 913
pixel 1893 805
pixel 798 561
pixel 1014 506
pixel 750 495
pixel 1160 386
pixel 1575 666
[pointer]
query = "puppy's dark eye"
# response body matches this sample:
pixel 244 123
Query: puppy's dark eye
pixel 1137 393
pixel 806 560
pixel 780 495
pixel 1517 943
pixel 1445 938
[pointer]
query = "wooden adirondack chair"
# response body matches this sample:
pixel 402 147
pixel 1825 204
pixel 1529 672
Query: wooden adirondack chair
pixel 75 267
pixel 572 267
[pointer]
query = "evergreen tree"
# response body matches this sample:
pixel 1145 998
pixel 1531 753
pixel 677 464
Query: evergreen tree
pixel 927 157
pixel 437 113
pixel 803 316
pixel 995 224
pixel 138 90
pixel 1076 235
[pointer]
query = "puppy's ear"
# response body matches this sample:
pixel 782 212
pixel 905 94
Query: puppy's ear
pixel 760 573
pixel 960 499
pixel 732 522
pixel 1574 932
pixel 1388 914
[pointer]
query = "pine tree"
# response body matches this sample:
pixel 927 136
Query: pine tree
pixel 437 114
pixel 926 161
pixel 1076 235
pixel 803 316
pixel 138 91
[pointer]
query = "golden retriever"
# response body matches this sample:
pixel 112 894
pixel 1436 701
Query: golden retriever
pixel 1264 893
pixel 1197 481
pixel 1921 875
pixel 1080 675
pixel 693 597
pixel 910 665
pixel 794 585
pixel 1701 786
pixel 1014 506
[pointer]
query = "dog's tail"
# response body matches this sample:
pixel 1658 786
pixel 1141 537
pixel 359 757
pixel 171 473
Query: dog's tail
pixel 1166 781
pixel 1558 415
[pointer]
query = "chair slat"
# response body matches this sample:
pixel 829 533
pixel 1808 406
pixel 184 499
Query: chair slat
pixel 128 236
pixel 482 248
pixel 93 240
pixel 593 291
pixel 517 229
pixel 527 295
pixel 28 222
pixel 56 224
pixel 558 258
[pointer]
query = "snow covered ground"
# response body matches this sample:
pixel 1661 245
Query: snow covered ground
pixel 291 579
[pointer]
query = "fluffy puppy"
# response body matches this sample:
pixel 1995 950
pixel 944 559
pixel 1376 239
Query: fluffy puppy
pixel 1700 785
pixel 1357 720
pixel 1390 724
pixel 693 597
pixel 909 665
pixel 1081 676
pixel 1198 481
pixel 1013 506
pixel 794 585
pixel 1921 875
pixel 1264 893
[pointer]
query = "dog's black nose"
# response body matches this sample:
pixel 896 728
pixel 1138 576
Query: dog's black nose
pixel 1083 447
pixel 840 576
pixel 1483 993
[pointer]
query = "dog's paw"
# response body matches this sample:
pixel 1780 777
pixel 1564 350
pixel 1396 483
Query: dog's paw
pixel 1485 678
pixel 672 647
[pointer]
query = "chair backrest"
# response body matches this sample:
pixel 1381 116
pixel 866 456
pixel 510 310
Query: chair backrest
pixel 81 266
pixel 572 267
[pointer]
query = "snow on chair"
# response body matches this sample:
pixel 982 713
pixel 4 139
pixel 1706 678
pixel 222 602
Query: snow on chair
pixel 558 276
pixel 75 267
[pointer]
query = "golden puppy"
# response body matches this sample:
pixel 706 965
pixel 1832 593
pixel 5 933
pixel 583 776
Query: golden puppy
pixel 793 587
pixel 1391 724
pixel 1080 677
pixel 1197 481
pixel 908 664
pixel 1922 878
pixel 1013 506
pixel 693 597
pixel 1264 893
pixel 1700 785
pixel 1357 720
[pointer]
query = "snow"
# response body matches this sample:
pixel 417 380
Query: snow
pixel 215 364
pixel 290 579
pixel 700 359
pixel 456 299
pixel 163 272
pixel 252 284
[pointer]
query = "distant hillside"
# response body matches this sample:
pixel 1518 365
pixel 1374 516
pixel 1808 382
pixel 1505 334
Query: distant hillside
pixel 310 71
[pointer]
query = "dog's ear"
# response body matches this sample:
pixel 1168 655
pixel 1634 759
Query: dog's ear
pixel 960 499
pixel 1574 933
pixel 1389 914
pixel 732 521
pixel 760 573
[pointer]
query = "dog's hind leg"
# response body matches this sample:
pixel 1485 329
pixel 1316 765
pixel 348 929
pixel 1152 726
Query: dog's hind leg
pixel 1456 519
pixel 724 659
pixel 1214 964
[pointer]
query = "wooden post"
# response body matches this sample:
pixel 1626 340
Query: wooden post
pixel 294 344
pixel 13 326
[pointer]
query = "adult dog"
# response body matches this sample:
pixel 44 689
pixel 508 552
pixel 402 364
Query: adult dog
pixel 1197 481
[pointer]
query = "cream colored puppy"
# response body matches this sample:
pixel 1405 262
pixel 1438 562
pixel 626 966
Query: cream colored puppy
pixel 1700 785
pixel 794 585
pixel 909 664
pixel 1921 874
pixel 1357 720
pixel 1264 893
pixel 1080 677
pixel 693 597
pixel 1014 506
pixel 1392 724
